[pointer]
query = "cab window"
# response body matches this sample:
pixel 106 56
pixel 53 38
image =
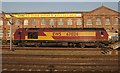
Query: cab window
pixel 32 35
pixel 102 33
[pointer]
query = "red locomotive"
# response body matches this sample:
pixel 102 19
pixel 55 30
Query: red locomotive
pixel 60 36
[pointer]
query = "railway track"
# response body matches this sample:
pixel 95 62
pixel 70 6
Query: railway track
pixel 104 50
pixel 59 56
pixel 54 59
pixel 60 62
pixel 48 48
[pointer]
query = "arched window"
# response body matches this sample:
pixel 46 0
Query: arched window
pixel 1 33
pixel 89 21
pixel 60 21
pixel 33 21
pixel 17 22
pixel 107 21
pixel 51 21
pixel 25 22
pixel 1 22
pixel 43 22
pixel 98 21
pixel 116 21
pixel 79 21
pixel 69 22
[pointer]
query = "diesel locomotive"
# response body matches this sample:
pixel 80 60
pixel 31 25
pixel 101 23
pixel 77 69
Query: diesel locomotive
pixel 79 37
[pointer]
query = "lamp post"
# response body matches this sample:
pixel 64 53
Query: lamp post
pixel 11 23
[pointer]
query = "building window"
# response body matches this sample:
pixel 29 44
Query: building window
pixel 17 22
pixel 1 33
pixel 98 21
pixel 51 21
pixel 43 22
pixel 107 21
pixel 79 21
pixel 25 22
pixel 33 21
pixel 116 21
pixel 89 21
pixel 69 22
pixel 60 21
pixel 1 22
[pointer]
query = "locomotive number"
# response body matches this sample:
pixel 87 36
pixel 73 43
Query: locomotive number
pixel 71 34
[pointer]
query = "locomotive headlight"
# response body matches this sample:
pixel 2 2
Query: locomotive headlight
pixel 102 35
pixel 109 37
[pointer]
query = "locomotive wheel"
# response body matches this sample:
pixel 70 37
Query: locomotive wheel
pixel 37 45
pixel 19 44
pixel 99 45
pixel 82 45
pixel 69 44
pixel 74 45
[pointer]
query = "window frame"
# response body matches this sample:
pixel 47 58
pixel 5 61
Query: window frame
pixel 1 22
pixel 89 21
pixel 33 21
pixel 116 21
pixel 60 21
pixel 51 21
pixel 98 22
pixel 26 22
pixel 17 21
pixel 78 21
pixel 43 21
pixel 69 21
pixel 107 21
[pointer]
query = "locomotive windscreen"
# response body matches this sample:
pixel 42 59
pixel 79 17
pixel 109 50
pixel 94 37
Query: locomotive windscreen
pixel 32 35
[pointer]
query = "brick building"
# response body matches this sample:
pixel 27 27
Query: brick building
pixel 97 18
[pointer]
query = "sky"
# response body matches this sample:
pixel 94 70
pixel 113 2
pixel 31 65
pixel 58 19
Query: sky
pixel 60 0
pixel 55 6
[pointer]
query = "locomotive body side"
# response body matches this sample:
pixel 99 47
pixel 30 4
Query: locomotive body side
pixel 60 35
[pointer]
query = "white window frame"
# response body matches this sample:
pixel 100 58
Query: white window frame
pixel 98 21
pixel 69 21
pixel 33 21
pixel 26 22
pixel 51 22
pixel 89 21
pixel 60 21
pixel 116 21
pixel 43 22
pixel 1 34
pixel 1 22
pixel 79 21
pixel 17 22
pixel 107 21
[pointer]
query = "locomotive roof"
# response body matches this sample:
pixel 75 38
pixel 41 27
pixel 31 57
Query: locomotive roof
pixel 66 28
